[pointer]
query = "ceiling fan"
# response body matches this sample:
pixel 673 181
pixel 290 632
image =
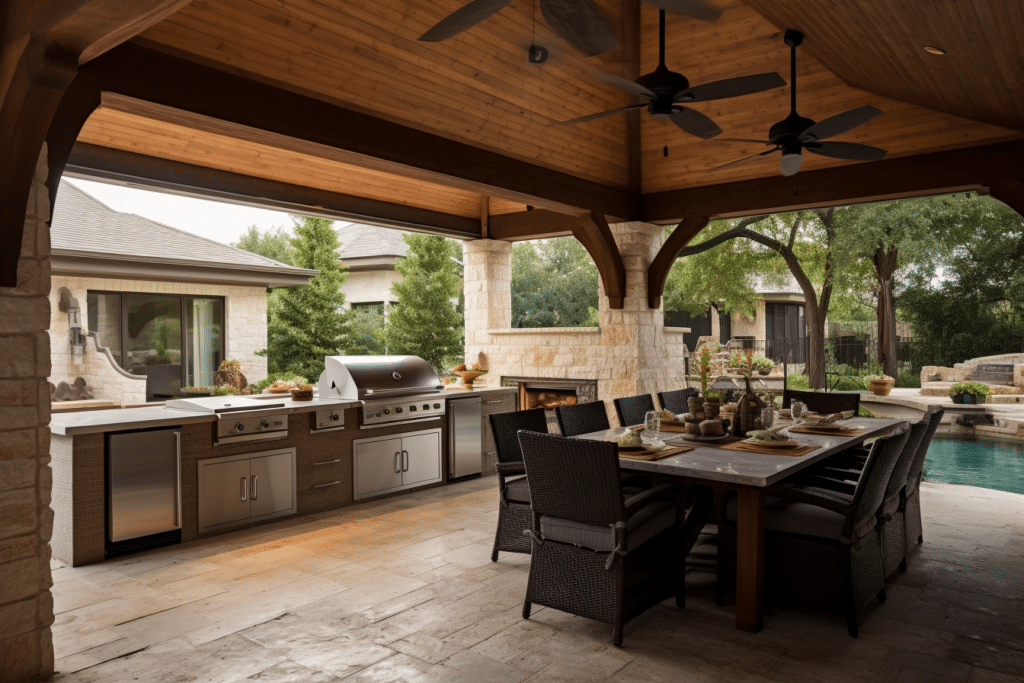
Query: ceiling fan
pixel 795 133
pixel 665 90
pixel 578 22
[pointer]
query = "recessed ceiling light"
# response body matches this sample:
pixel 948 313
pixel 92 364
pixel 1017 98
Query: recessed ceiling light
pixel 931 49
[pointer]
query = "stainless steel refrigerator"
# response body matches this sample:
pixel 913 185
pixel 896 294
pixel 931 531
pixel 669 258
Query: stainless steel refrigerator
pixel 143 485
pixel 465 437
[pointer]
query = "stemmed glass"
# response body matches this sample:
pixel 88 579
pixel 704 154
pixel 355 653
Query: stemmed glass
pixel 797 408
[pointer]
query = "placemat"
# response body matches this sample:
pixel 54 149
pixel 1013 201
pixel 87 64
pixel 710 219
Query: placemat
pixel 655 456
pixel 750 448
pixel 844 431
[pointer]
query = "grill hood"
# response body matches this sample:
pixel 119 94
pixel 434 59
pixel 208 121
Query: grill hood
pixel 366 377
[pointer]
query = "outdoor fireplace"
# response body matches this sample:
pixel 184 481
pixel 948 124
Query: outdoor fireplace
pixel 538 396
pixel 548 393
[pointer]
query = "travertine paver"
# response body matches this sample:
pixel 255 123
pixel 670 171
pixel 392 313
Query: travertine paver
pixel 404 590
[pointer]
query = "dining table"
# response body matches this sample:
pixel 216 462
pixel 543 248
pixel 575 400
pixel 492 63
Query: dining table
pixel 751 476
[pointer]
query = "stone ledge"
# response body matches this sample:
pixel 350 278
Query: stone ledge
pixel 545 330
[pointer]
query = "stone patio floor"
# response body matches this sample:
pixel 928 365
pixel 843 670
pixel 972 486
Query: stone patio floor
pixel 404 590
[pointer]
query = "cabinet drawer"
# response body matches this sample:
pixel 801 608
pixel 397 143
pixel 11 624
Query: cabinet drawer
pixel 501 403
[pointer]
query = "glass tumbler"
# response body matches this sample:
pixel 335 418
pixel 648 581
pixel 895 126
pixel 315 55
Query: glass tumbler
pixel 652 424
pixel 797 409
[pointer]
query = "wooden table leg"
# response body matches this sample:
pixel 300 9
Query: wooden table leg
pixel 750 559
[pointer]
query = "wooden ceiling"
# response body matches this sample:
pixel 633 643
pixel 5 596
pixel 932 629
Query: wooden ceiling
pixel 479 89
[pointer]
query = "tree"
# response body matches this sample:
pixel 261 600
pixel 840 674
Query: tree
pixel 308 323
pixel 426 320
pixel 274 243
pixel 554 284
pixel 367 331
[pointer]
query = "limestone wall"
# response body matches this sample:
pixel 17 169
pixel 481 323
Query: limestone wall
pixel 369 286
pixel 245 315
pixel 26 520
pixel 630 353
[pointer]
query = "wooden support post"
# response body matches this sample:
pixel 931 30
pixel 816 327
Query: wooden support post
pixel 1011 193
pixel 657 273
pixel 750 523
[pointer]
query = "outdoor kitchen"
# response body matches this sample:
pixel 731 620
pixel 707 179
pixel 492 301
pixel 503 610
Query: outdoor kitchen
pixel 133 479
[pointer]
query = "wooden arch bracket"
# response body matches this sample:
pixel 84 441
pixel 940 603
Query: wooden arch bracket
pixel 1009 192
pixel 657 274
pixel 596 237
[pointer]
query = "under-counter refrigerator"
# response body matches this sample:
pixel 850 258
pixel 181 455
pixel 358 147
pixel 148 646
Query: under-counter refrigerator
pixel 465 437
pixel 143 489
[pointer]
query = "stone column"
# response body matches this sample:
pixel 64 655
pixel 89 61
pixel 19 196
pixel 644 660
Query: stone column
pixel 26 520
pixel 488 289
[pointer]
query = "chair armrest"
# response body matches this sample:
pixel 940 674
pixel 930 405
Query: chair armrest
pixel 823 498
pixel 660 492
pixel 510 468
pixel 821 481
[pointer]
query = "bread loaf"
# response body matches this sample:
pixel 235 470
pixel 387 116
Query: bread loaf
pixel 711 428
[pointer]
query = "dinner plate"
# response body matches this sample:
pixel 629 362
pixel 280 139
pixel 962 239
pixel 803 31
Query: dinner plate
pixel 692 437
pixel 789 443
pixel 825 428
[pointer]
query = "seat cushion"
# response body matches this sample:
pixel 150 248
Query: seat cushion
pixel 647 523
pixel 790 517
pixel 518 490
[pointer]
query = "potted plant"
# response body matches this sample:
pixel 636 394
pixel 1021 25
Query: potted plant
pixel 969 393
pixel 880 385
pixel 764 365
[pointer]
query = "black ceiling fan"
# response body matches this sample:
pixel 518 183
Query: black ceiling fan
pixel 578 22
pixel 665 90
pixel 795 133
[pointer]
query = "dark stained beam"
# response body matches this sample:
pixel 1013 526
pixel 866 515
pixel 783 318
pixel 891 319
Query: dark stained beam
pixel 191 94
pixel 95 162
pixel 913 176
pixel 1011 193
pixel 531 225
pixel 597 238
pixel 657 272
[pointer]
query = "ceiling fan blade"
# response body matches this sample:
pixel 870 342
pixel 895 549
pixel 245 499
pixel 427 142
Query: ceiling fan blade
pixel 840 123
pixel 461 19
pixel 845 150
pixel 731 87
pixel 580 24
pixel 746 158
pixel 602 114
pixel 695 123
pixel 624 84
pixel 698 9
pixel 756 142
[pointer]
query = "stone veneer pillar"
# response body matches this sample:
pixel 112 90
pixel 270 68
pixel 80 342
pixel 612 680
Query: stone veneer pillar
pixel 26 520
pixel 631 353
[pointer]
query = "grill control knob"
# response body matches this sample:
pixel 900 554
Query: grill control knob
pixel 426 406
pixel 265 424
pixel 387 411
pixel 335 417
pixel 437 406
pixel 398 410
pixel 239 427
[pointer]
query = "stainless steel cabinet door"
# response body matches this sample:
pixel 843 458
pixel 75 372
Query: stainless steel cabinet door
pixel 270 484
pixel 224 493
pixel 378 466
pixel 421 456
pixel 144 479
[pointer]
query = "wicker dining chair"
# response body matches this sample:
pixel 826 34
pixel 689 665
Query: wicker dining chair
pixel 582 418
pixel 913 529
pixel 513 487
pixel 596 553
pixel 823 402
pixel 676 401
pixel 821 546
pixel 633 409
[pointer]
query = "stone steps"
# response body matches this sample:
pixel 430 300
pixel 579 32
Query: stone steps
pixel 942 389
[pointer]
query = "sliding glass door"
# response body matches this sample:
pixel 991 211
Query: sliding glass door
pixel 203 340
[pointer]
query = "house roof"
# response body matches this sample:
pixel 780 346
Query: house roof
pixel 786 284
pixel 359 241
pixel 88 238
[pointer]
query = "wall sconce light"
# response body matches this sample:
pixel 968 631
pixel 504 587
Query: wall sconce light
pixel 69 304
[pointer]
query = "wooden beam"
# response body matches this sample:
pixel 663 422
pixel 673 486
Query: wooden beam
pixel 179 91
pixel 597 238
pixel 77 105
pixel 1011 193
pixel 924 174
pixel 658 271
pixel 630 33
pixel 92 161
pixel 530 225
pixel 485 216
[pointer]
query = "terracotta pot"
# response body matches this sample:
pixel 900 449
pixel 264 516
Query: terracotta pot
pixel 881 387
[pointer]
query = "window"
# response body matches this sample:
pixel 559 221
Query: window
pixel 174 341
pixel 785 332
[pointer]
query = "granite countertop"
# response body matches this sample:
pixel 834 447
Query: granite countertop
pixel 97 421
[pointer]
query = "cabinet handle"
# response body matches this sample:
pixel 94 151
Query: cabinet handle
pixel 405 461
pixel 255 484
pixel 327 462
pixel 331 483
pixel 398 462
pixel 245 489
pixel 495 400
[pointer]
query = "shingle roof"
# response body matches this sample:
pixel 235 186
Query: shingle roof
pixel 367 241
pixel 84 225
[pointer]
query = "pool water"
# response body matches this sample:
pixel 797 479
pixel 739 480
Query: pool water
pixel 988 463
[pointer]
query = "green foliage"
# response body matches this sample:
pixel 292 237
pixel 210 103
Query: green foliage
pixel 909 379
pixel 764 363
pixel 274 376
pixel 973 388
pixel 554 284
pixel 273 243
pixel 367 331
pixel 427 321
pixel 308 323
pixel 229 364
pixel 797 381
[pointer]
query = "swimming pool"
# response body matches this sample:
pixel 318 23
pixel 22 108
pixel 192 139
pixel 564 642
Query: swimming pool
pixel 989 463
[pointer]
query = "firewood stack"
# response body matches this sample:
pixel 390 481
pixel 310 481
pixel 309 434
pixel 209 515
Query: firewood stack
pixel 549 400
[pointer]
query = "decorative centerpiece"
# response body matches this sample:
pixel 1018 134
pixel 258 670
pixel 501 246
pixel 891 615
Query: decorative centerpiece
pixel 880 385
pixel 302 392
pixel 969 393
pixel 748 412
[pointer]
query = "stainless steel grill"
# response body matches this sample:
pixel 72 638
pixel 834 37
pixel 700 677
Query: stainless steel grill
pixel 239 419
pixel 394 389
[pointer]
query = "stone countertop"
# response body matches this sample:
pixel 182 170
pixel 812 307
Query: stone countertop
pixel 461 393
pixel 98 421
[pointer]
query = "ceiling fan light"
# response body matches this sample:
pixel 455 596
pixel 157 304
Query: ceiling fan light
pixel 791 162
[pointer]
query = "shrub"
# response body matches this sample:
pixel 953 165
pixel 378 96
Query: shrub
pixel 798 381
pixel 909 379
pixel 973 388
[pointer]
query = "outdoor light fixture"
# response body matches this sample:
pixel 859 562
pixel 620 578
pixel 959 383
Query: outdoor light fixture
pixel 792 160
pixel 932 50
pixel 69 304
pixel 538 55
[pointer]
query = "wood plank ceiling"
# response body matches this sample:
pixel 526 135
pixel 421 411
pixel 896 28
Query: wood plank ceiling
pixel 479 88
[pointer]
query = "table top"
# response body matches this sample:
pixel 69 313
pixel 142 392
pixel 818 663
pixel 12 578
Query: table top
pixel 751 469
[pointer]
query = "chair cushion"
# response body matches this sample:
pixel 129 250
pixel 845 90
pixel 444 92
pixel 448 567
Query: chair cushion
pixel 790 517
pixel 518 490
pixel 891 505
pixel 647 523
